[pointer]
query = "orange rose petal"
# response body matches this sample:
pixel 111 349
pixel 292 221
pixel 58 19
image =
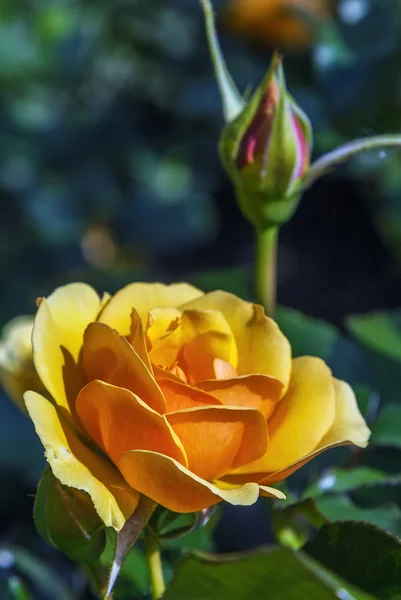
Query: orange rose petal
pixel 180 396
pixel 119 421
pixel 77 466
pixel 219 438
pixel 170 374
pixel 170 484
pixel 262 348
pixel 252 391
pixel 57 340
pixel 137 339
pixel 144 297
pixel 199 354
pixel 109 357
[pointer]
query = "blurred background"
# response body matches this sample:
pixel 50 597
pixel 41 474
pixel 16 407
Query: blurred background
pixel 109 121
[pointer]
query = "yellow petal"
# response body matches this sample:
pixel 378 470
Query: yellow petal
pixel 219 438
pixel 75 465
pixel 17 371
pixel 349 427
pixel 253 391
pixel 109 357
pixel 206 336
pixel 118 421
pixel 199 355
pixel 163 335
pixel 302 418
pixel 57 340
pixel 270 492
pixel 203 331
pixel 144 297
pixel 170 484
pixel 262 348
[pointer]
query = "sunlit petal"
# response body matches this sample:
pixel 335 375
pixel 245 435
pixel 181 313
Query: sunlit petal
pixel 76 465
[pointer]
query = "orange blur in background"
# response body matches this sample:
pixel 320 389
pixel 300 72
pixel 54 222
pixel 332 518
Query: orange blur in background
pixel 277 22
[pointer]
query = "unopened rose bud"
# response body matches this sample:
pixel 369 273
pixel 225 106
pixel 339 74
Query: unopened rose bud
pixel 17 371
pixel 266 151
pixel 66 518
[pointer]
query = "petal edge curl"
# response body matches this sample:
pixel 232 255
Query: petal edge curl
pixel 349 428
pixel 170 484
pixel 262 347
pixel 76 465
pixel 119 421
pixel 57 339
pixel 108 356
pixel 143 297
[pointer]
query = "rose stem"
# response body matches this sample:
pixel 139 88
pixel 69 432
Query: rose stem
pixel 266 259
pixel 154 564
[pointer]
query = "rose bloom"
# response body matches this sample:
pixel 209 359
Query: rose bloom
pixel 186 397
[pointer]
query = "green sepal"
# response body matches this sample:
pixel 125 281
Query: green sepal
pixel 66 519
pixel 263 214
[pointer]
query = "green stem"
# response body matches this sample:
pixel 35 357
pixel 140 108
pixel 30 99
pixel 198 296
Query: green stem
pixel 326 162
pixel 266 259
pixel 233 103
pixel 153 559
pixel 96 576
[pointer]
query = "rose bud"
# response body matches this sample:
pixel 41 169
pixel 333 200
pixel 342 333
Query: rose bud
pixel 17 371
pixel 266 151
pixel 66 519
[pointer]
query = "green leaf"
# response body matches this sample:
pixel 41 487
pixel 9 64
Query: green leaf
pixel 341 508
pixel 386 429
pixel 293 523
pixel 380 338
pixel 347 480
pixel 379 331
pixel 362 554
pixel 274 573
pixel 307 335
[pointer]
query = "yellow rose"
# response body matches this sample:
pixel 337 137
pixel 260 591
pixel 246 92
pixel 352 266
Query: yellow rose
pixel 188 398
pixel 17 371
